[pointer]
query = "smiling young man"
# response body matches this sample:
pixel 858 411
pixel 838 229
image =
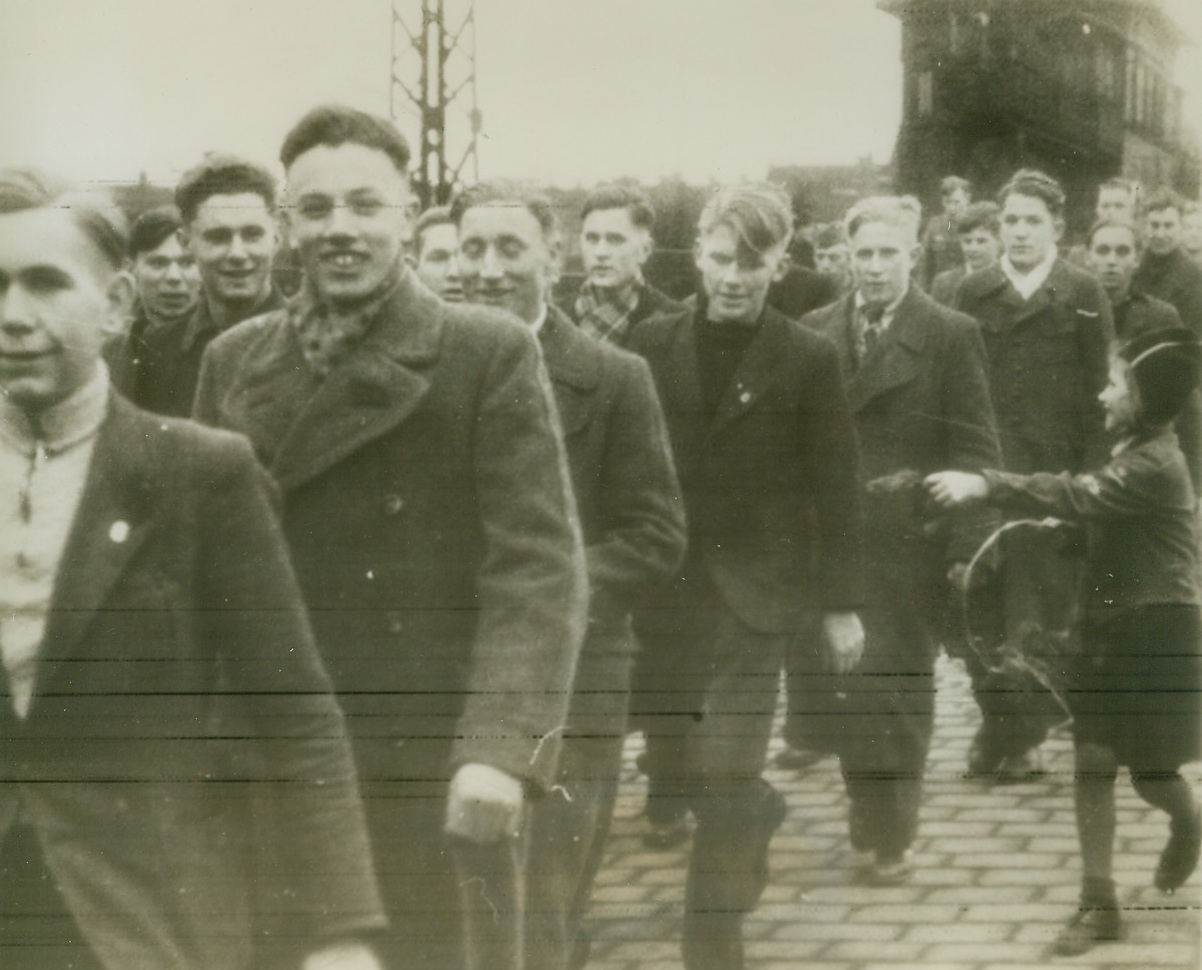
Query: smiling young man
pixel 229 229
pixel 429 512
pixel 628 501
pixel 766 452
pixel 615 244
pixel 177 787
pixel 1047 326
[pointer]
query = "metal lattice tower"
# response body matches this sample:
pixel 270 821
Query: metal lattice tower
pixel 434 81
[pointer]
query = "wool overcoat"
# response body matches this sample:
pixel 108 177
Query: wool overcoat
pixel 178 688
pixel 430 516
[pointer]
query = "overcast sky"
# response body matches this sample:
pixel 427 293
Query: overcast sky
pixel 570 91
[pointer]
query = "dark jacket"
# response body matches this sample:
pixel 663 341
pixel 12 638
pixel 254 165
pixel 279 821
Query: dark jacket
pixel 1047 361
pixel 626 493
pixel 770 484
pixel 1140 507
pixel 1176 279
pixel 944 286
pixel 156 367
pixel 430 516
pixel 178 679
pixel 800 291
pixel 921 404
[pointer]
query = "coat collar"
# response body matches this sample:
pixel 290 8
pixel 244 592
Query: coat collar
pixel 374 389
pixel 121 498
pixel 570 355
pixel 993 282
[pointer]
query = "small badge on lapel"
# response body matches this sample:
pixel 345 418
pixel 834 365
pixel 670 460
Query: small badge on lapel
pixel 119 531
pixel 745 396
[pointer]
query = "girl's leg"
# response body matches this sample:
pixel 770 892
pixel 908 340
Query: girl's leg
pixel 1097 917
pixel 1171 793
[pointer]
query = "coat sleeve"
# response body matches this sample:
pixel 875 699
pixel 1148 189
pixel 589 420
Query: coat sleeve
pixel 1095 332
pixel 1131 485
pixel 972 441
pixel 286 736
pixel 532 591
pixel 642 534
pixel 830 448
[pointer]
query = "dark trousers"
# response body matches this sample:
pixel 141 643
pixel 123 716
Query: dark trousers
pixel 37 930
pixel 451 904
pixel 812 719
pixel 708 748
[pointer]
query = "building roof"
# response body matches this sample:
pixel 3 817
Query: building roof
pixel 1152 8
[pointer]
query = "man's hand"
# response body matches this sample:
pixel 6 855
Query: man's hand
pixel 950 489
pixel 844 639
pixel 342 956
pixel 484 804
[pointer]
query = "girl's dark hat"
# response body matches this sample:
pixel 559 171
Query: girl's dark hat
pixel 1167 365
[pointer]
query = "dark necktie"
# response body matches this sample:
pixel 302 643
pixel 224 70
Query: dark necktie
pixel 871 318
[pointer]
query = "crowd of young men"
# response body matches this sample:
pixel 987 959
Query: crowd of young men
pixel 365 679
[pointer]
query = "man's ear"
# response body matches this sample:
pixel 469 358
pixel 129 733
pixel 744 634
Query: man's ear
pixel 782 268
pixel 554 259
pixel 121 294
pixel 916 255
pixel 1058 225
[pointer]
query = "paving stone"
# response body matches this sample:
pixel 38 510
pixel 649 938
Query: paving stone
pixel 858 950
pixel 961 932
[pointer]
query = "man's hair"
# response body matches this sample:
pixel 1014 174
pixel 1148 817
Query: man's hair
pixel 828 235
pixel 336 124
pixel 1112 223
pixel 153 228
pixel 221 174
pixel 23 189
pixel 760 215
pixel 952 182
pixel 1122 184
pixel 439 215
pixel 1038 185
pixel 980 215
pixel 633 200
pixel 515 193
pixel 1163 198
pixel 901 211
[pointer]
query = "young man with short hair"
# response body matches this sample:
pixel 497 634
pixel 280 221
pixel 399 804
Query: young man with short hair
pixel 615 244
pixel 436 251
pixel 979 232
pixel 1047 326
pixel 430 517
pixel 1115 249
pixel 628 501
pixel 228 209
pixel 766 452
pixel 920 397
pixel 1166 270
pixel 940 246
pixel 178 787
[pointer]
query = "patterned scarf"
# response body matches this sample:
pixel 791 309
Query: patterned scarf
pixel 606 315
pixel 328 337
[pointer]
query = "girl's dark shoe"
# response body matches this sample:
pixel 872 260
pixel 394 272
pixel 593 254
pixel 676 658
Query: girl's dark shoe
pixel 1088 927
pixel 1180 856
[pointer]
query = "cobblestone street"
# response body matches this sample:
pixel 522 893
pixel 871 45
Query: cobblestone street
pixel 997 874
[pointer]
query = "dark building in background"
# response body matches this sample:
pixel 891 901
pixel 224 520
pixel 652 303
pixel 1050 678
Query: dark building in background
pixel 1080 88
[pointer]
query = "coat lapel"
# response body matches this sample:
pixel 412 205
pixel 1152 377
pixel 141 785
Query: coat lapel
pixel 367 395
pixel 573 368
pixel 897 359
pixel 116 512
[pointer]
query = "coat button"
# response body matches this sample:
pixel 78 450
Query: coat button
pixel 395 622
pixel 393 504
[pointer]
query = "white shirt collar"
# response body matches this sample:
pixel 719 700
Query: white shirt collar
pixel 1028 283
pixel 63 424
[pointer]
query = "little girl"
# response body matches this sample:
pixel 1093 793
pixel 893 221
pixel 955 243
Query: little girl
pixel 1135 691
